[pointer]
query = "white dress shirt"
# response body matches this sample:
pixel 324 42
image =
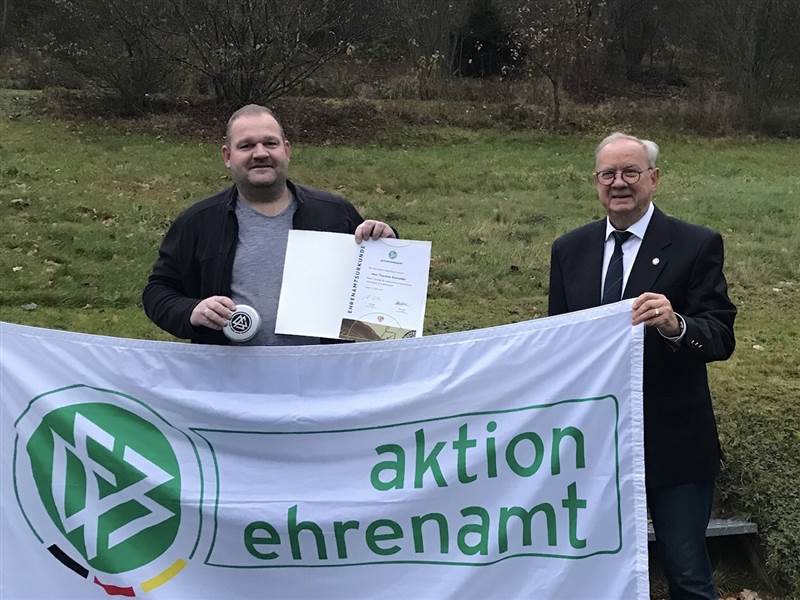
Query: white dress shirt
pixel 629 249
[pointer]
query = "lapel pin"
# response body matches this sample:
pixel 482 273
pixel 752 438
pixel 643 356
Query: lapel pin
pixel 656 260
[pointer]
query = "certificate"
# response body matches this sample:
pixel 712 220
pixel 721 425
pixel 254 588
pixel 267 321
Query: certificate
pixel 335 288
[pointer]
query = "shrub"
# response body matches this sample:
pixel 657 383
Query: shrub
pixel 761 440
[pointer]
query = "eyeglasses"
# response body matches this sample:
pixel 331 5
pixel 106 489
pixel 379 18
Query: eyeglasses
pixel 629 176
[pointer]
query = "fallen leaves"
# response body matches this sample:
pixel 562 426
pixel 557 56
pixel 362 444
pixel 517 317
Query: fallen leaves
pixel 745 595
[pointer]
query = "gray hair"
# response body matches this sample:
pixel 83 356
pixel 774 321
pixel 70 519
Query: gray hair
pixel 250 109
pixel 650 147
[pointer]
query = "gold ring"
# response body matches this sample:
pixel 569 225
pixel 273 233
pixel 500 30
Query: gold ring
pixel 658 312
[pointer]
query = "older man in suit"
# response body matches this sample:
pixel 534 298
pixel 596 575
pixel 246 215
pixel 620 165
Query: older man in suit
pixel 674 271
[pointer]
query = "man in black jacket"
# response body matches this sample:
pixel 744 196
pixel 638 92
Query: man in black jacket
pixel 230 248
pixel 674 271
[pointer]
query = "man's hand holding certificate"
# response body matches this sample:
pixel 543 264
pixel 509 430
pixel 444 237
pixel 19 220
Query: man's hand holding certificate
pixel 333 288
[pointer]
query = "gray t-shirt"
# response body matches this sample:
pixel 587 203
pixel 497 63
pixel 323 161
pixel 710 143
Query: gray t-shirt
pixel 258 270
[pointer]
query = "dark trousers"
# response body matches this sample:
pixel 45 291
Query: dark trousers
pixel 680 516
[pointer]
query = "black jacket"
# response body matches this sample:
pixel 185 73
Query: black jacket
pixel 195 260
pixel 683 262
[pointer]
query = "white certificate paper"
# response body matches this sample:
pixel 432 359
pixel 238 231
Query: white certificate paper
pixel 335 288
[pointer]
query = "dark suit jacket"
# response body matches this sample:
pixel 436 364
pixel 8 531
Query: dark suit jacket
pixel 680 434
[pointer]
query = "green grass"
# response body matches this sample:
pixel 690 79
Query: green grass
pixel 84 206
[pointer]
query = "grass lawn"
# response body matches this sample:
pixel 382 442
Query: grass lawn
pixel 84 206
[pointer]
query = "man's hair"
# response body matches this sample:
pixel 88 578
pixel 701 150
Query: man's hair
pixel 251 109
pixel 650 147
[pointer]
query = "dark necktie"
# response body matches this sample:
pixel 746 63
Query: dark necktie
pixel 612 290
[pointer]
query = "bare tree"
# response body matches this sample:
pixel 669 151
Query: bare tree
pixel 429 28
pixel 257 49
pixel 757 46
pixel 553 36
pixel 3 22
pixel 633 27
pixel 101 39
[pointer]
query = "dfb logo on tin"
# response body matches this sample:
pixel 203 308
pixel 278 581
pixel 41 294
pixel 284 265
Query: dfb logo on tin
pixel 240 322
pixel 243 324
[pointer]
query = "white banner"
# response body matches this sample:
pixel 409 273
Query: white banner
pixel 498 463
